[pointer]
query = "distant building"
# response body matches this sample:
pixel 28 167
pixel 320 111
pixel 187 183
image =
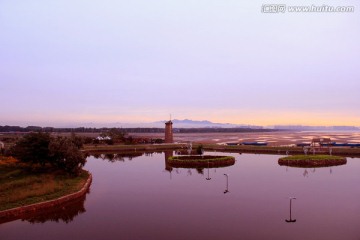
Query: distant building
pixel 319 143
pixel 103 138
pixel 169 132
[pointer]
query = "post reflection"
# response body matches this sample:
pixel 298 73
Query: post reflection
pixel 307 172
pixel 208 172
pixel 290 220
pixel 227 183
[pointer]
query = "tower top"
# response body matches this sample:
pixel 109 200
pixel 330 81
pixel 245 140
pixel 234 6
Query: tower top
pixel 169 122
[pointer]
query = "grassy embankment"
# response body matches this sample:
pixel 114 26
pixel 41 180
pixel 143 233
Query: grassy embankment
pixel 20 187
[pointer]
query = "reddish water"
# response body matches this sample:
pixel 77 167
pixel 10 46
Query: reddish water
pixel 139 199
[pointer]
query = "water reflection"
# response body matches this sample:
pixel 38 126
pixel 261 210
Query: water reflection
pixel 168 167
pixel 136 200
pixel 115 157
pixel 168 154
pixel 124 156
pixel 208 172
pixel 121 157
pixel 290 220
pixel 63 213
pixel 306 172
pixel 227 183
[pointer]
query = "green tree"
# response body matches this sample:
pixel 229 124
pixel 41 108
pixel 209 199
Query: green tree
pixel 78 141
pixel 65 155
pixel 32 148
pixel 115 134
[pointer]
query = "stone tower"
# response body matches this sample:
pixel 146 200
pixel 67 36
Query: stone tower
pixel 169 132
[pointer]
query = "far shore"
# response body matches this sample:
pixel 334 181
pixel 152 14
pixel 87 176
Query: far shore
pixel 275 138
pixel 278 138
pixel 281 150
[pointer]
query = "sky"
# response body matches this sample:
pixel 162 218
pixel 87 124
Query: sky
pixel 66 63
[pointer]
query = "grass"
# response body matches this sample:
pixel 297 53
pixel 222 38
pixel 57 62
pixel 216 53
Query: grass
pixel 20 187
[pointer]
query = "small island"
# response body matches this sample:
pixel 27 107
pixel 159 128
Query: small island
pixel 201 161
pixel 41 171
pixel 21 187
pixel 312 161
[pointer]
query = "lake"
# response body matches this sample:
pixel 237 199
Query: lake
pixel 141 197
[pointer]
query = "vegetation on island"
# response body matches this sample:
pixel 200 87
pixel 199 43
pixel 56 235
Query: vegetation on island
pixel 312 157
pixel 312 160
pixel 203 158
pixel 40 167
pixel 20 186
pixel 201 161
pixel 41 150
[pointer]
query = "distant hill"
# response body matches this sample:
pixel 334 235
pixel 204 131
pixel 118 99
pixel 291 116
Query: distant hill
pixel 188 123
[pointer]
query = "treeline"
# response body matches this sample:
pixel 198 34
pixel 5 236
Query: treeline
pixel 79 129
pixel 129 130
pixel 49 129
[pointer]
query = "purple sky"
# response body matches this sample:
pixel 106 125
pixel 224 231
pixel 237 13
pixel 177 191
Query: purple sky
pixel 72 62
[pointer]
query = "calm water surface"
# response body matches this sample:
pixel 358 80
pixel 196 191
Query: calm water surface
pixel 142 198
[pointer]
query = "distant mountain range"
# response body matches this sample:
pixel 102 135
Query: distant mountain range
pixel 177 123
pixel 188 123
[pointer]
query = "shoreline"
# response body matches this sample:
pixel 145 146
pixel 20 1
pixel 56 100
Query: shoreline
pixel 19 212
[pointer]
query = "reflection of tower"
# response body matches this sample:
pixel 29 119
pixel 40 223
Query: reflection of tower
pixel 168 132
pixel 167 155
